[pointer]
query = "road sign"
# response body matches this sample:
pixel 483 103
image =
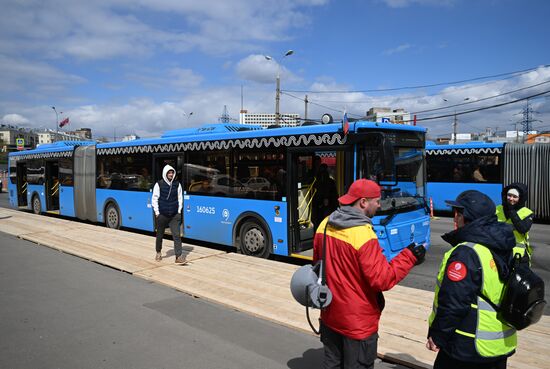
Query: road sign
pixel 20 142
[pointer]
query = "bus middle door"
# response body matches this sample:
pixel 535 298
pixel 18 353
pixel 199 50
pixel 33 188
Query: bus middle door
pixel 22 184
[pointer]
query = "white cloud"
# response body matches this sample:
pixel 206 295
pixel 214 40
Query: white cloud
pixel 32 79
pixel 14 119
pixel 148 118
pixel 406 3
pixel 113 28
pixel 398 49
pixel 258 69
pixel 171 79
pixel 419 100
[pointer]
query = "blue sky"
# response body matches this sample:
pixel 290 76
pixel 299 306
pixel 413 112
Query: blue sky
pixel 143 66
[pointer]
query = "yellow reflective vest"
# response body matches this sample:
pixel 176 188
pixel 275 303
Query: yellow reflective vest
pixel 522 239
pixel 491 337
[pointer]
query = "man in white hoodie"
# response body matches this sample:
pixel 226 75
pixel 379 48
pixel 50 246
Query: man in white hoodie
pixel 167 204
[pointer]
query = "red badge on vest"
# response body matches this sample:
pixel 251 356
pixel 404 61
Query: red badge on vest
pixel 456 271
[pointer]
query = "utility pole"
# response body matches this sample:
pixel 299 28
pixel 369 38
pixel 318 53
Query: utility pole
pixel 517 132
pixel 277 98
pixel 455 128
pixel 305 114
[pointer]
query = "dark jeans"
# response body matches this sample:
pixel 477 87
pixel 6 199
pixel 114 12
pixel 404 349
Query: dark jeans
pixel 444 361
pixel 346 353
pixel 174 223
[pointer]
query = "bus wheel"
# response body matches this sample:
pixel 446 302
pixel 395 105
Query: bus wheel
pixel 254 240
pixel 112 217
pixel 36 206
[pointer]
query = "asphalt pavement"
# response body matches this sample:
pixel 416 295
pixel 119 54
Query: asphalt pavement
pixel 60 311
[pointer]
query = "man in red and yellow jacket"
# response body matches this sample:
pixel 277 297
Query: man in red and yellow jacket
pixel 356 272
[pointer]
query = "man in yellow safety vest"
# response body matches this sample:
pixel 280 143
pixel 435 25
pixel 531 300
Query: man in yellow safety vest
pixel 464 328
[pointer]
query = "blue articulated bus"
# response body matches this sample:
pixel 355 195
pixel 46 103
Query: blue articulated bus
pixel 488 167
pixel 244 186
pixel 456 168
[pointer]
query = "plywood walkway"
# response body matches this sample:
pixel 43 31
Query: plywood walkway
pixel 255 286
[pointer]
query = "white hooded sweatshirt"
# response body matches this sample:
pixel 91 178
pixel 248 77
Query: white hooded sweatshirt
pixel 156 191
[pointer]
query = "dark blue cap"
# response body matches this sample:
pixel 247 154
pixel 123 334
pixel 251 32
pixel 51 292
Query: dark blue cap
pixel 474 204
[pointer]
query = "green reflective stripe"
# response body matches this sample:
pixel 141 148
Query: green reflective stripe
pixel 471 335
pixel 486 335
pixel 473 306
pixel 484 305
pixel 469 244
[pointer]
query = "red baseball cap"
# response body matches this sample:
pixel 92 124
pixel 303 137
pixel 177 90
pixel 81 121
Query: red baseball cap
pixel 359 189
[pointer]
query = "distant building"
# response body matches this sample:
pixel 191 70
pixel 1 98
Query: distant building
pixel 48 136
pixel 388 115
pixel 130 138
pixel 265 120
pixel 492 136
pixel 84 133
pixel 9 134
pixel 543 137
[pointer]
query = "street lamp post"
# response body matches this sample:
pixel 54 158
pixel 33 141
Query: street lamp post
pixel 278 86
pixel 56 123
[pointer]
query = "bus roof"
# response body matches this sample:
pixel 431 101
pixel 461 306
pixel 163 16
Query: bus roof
pixel 53 147
pixel 468 145
pixel 221 131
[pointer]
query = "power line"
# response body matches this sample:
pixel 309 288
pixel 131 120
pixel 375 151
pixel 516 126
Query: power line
pixel 443 107
pixel 320 105
pixel 482 108
pixel 483 99
pixel 422 86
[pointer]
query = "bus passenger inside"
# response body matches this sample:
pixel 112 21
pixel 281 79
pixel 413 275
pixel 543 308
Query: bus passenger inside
pixel 325 198
pixel 458 175
pixel 477 175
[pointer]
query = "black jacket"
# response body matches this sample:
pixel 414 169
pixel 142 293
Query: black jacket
pixel 455 297
pixel 511 212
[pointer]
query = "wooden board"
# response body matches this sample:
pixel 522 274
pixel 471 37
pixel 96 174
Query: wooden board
pixel 256 286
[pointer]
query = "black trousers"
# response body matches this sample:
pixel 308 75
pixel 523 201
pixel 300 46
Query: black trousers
pixel 174 223
pixel 342 352
pixel 444 361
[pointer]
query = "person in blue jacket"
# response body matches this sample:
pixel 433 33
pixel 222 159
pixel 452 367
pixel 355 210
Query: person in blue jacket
pixel 464 327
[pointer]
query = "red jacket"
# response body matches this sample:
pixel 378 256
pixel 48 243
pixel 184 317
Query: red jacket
pixel 356 272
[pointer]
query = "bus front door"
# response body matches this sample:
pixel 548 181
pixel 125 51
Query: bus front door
pixel 22 185
pixel 52 186
pixel 316 181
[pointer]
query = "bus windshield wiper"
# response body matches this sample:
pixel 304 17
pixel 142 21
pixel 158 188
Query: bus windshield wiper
pixel 393 213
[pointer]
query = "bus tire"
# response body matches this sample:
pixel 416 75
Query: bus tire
pixel 36 205
pixel 112 216
pixel 254 240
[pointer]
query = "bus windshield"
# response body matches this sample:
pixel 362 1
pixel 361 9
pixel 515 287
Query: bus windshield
pixel 402 190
